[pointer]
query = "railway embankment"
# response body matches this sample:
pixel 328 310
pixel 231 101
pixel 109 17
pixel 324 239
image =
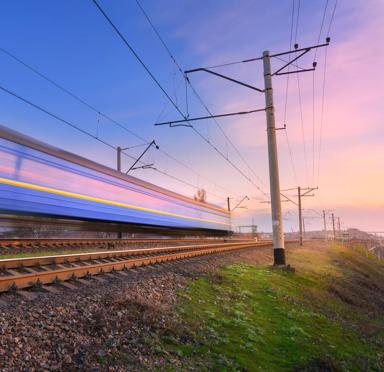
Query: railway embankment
pixel 229 311
pixel 328 315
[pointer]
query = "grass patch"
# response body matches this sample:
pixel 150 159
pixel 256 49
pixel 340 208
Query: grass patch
pixel 325 316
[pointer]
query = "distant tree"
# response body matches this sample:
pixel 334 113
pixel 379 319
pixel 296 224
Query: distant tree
pixel 201 196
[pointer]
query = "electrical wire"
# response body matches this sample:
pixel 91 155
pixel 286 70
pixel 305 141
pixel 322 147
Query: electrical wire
pixel 300 101
pixel 321 27
pixel 55 116
pixel 323 94
pixel 332 18
pixel 96 138
pixel 167 95
pixel 286 98
pixel 322 115
pixel 313 127
pixel 105 116
pixel 313 94
pixel 206 108
pixel 194 90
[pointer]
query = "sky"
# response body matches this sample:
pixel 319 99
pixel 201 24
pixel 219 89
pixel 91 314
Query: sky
pixel 335 143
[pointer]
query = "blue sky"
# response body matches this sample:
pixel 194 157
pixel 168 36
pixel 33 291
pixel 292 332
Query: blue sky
pixel 70 42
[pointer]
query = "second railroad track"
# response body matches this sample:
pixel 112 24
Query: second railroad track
pixel 19 273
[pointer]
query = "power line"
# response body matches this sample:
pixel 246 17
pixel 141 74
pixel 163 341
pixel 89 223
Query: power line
pixel 300 102
pixel 74 126
pixel 332 18
pixel 297 20
pixel 167 95
pixel 71 94
pixel 321 27
pixel 55 116
pixel 322 115
pixel 323 93
pixel 286 98
pixel 100 113
pixel 313 94
pixel 194 90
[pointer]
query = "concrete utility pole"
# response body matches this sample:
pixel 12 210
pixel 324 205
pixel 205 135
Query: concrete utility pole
pixel 300 216
pixel 325 226
pixel 119 150
pixel 277 220
pixel 338 226
pixel 299 204
pixel 229 210
pixel 333 226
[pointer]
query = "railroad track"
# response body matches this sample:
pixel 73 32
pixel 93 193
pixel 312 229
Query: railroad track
pixel 74 242
pixel 36 245
pixel 19 273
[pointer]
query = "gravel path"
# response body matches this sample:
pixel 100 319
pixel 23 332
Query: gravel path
pixel 103 325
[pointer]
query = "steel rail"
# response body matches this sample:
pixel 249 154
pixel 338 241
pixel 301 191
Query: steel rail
pixel 14 263
pixel 80 269
pixel 60 242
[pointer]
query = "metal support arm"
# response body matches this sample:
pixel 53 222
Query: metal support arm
pixel 225 77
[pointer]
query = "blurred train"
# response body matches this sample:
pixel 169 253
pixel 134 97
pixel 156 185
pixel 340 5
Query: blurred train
pixel 40 180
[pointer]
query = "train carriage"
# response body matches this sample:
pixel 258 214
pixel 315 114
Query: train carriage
pixel 39 179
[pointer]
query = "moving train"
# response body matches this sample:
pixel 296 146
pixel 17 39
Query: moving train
pixel 40 180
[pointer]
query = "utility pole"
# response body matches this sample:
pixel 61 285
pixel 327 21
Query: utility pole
pixel 119 150
pixel 333 226
pixel 338 226
pixel 300 216
pixel 277 220
pixel 299 196
pixel 325 226
pixel 229 210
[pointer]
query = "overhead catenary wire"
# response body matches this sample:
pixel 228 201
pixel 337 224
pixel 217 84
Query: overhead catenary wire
pixel 286 100
pixel 313 94
pixel 321 27
pixel 322 116
pixel 197 95
pixel 195 91
pixel 332 18
pixel 105 116
pixel 300 100
pixel 157 83
pixel 323 94
pixel 96 138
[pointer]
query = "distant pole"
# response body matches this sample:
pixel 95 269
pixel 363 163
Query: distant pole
pixel 338 226
pixel 277 220
pixel 229 210
pixel 325 226
pixel 119 158
pixel 333 226
pixel 300 216
pixel 119 150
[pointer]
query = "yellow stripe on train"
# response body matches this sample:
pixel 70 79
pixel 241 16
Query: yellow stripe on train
pixel 98 200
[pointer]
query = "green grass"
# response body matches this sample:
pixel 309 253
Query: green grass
pixel 261 318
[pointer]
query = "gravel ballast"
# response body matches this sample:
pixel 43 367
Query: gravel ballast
pixel 105 323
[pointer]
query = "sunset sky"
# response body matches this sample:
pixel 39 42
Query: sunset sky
pixel 71 43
